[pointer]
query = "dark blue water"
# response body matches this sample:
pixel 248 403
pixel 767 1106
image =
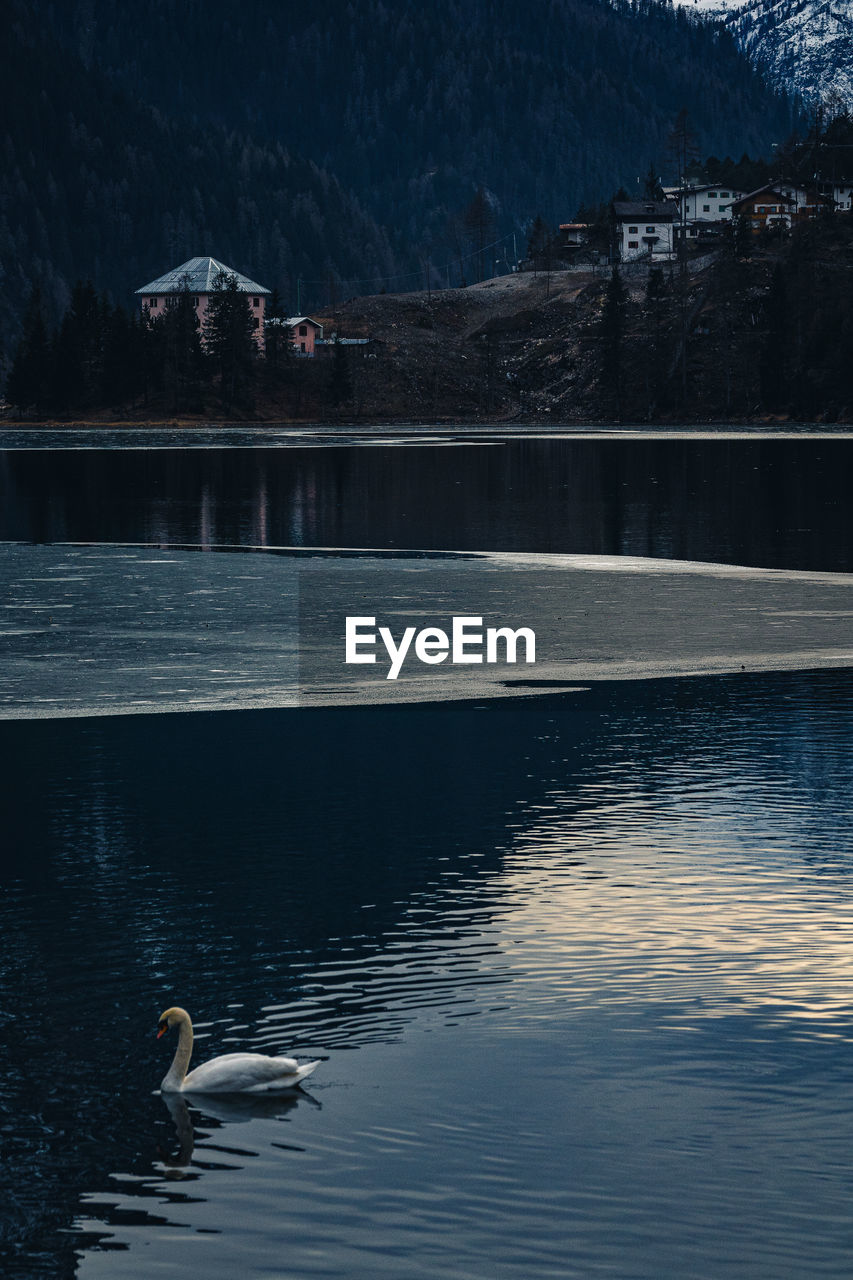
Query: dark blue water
pixel 578 968
pixel 772 503
pixel 578 971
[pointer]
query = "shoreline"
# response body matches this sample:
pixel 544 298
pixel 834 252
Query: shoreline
pixel 221 434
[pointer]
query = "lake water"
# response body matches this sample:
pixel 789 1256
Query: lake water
pixel 578 968
pixel 772 503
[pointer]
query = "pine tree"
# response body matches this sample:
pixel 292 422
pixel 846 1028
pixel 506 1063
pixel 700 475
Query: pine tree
pixel 537 240
pixel 278 344
pixel 479 221
pixel 742 236
pixel 613 339
pixel 121 366
pixel 341 383
pixel 682 146
pixel 29 381
pixel 775 355
pixel 78 352
pixel 540 249
pixel 229 339
pixel 652 189
pixel 656 306
pixel 180 351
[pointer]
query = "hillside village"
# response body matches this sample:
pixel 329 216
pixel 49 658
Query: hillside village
pixel 651 230
pixel 658 313
pixel 642 231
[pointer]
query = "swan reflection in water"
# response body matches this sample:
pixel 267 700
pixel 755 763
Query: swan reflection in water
pixel 223 1110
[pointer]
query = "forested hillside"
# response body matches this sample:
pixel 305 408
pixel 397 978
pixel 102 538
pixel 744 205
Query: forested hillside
pixel 344 149
pixel 95 184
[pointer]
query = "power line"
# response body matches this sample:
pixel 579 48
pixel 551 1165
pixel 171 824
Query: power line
pixel 413 275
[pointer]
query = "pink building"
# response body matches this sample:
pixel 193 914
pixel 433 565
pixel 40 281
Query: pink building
pixel 199 276
pixel 305 333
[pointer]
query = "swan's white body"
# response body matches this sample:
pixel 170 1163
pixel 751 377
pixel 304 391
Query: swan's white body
pixel 230 1073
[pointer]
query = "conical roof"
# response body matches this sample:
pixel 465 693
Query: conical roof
pixel 200 275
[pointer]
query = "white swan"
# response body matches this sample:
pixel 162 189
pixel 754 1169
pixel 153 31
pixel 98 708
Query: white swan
pixel 230 1073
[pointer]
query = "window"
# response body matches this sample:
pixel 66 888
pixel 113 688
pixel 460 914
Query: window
pixel 195 302
pixel 256 302
pixel 724 195
pixel 650 231
pixel 152 302
pixel 303 333
pixel 302 346
pixel 256 322
pixel 706 208
pixel 712 195
pixel 633 244
pixel 632 231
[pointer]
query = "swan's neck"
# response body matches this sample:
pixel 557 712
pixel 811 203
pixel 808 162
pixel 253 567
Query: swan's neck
pixel 174 1078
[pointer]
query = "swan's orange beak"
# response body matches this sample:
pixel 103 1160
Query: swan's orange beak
pixel 162 1032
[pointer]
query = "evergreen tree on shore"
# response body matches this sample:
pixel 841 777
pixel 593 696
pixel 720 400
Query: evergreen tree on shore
pixel 229 340
pixel 613 341
pixel 28 384
pixel 177 336
pixel 655 364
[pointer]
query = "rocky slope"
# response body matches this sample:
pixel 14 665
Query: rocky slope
pixel 804 45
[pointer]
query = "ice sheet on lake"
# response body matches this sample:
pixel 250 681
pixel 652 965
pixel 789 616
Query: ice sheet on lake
pixel 88 630
pixel 284 435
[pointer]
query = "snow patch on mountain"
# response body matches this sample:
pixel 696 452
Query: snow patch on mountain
pixel 711 8
pixel 802 45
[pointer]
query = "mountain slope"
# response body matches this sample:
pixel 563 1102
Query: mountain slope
pixel 95 184
pixel 343 147
pixel 415 106
pixel 803 46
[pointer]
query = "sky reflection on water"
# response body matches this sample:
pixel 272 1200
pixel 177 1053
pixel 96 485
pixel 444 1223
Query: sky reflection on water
pixel 578 971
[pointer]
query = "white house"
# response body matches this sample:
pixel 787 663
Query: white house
pixel 842 194
pixel 644 228
pixel 709 203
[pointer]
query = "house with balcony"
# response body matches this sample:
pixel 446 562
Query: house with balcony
pixel 644 229
pixel 573 237
pixel 703 210
pixel 782 204
pixel 199 277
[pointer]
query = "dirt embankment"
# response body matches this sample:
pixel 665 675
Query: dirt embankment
pixel 508 347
